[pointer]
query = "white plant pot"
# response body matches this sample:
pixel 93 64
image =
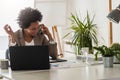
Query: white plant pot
pixel 108 61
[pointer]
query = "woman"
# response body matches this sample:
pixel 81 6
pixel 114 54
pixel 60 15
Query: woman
pixel 29 33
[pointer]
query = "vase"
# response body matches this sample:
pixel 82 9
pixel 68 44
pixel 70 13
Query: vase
pixel 84 53
pixel 108 62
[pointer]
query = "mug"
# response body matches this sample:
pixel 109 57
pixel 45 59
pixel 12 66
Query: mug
pixel 4 63
pixel 53 50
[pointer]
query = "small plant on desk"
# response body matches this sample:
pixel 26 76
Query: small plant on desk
pixel 107 53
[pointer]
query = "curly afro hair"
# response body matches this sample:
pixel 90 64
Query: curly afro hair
pixel 27 16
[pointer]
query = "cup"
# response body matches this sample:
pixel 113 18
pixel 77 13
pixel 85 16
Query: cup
pixel 53 50
pixel 84 54
pixel 4 63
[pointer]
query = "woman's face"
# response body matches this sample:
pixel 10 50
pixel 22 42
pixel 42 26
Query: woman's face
pixel 33 28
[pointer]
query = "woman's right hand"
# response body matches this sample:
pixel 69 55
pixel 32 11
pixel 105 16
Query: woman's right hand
pixel 10 32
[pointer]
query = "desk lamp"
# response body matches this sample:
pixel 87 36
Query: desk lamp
pixel 114 15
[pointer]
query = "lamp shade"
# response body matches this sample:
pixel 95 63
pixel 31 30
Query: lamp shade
pixel 114 15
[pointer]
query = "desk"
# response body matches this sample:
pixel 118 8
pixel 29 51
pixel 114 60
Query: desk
pixel 94 72
pixel 86 72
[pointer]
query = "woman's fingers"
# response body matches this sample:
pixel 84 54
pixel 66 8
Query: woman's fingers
pixel 8 29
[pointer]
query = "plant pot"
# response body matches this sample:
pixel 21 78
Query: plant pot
pixel 108 61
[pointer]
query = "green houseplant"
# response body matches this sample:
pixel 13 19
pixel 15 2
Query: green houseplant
pixel 116 48
pixel 104 51
pixel 113 50
pixel 84 32
pixel 107 53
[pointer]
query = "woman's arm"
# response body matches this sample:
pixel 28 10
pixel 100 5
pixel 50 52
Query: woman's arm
pixel 10 33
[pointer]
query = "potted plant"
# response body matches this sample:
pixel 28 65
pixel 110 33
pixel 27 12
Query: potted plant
pixel 116 48
pixel 107 53
pixel 84 32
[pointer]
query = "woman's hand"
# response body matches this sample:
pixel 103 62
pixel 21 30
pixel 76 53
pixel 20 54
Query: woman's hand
pixel 46 31
pixel 10 32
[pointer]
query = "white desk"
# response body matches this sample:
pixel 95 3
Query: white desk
pixel 83 72
pixel 94 72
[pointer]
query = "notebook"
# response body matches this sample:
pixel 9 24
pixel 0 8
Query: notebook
pixel 29 57
pixel 57 60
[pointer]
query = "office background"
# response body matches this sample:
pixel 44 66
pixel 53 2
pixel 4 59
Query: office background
pixel 57 12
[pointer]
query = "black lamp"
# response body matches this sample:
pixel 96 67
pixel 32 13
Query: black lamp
pixel 114 15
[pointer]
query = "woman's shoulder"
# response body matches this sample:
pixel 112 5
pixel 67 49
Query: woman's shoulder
pixel 18 32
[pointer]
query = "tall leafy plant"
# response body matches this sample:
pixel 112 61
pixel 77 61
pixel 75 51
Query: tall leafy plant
pixel 85 32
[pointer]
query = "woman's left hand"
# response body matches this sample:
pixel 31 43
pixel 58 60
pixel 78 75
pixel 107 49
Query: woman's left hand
pixel 46 31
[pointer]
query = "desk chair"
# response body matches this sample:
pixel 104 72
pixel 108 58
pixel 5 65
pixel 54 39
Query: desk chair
pixel 7 54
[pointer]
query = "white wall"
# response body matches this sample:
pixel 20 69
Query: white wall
pixel 101 9
pixel 9 10
pixel 116 27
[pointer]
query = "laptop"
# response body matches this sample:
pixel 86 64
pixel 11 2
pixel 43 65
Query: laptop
pixel 29 57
